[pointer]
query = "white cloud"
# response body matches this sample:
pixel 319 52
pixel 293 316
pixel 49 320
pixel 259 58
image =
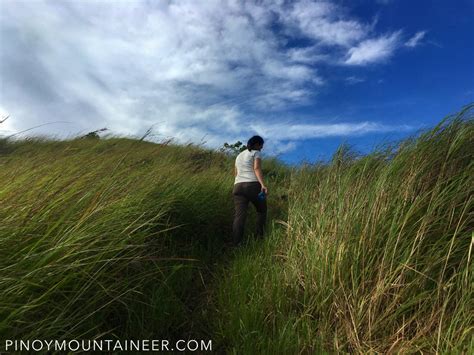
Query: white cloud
pixel 278 147
pixel 352 80
pixel 416 39
pixel 289 131
pixel 325 22
pixel 6 124
pixel 194 68
pixel 373 50
pixel 307 55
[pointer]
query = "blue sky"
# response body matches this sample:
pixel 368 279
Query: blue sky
pixel 305 75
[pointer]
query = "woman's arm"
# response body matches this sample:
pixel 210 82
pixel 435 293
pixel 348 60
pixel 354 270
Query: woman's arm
pixel 257 167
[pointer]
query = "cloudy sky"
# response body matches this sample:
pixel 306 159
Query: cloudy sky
pixel 305 75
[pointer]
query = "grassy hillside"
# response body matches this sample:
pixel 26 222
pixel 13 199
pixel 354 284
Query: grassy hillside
pixel 120 238
pixel 110 237
pixel 377 255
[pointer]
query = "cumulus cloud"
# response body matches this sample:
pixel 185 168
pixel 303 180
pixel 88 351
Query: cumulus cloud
pixel 190 69
pixel 416 39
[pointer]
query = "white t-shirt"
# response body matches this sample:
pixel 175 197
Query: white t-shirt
pixel 244 165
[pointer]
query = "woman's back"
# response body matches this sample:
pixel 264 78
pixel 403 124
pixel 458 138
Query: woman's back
pixel 245 166
pixel 247 187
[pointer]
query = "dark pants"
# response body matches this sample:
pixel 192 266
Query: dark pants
pixel 245 192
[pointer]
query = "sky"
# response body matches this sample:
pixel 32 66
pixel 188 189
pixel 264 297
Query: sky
pixel 305 75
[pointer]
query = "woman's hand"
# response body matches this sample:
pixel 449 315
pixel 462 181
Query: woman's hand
pixel 264 189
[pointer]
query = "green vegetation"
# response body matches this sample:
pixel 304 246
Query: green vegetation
pixel 121 238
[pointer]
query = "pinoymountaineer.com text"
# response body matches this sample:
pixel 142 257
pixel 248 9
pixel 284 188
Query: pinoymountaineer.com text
pixel 73 345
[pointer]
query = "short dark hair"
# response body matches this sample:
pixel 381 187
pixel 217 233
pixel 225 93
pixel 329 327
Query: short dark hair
pixel 252 142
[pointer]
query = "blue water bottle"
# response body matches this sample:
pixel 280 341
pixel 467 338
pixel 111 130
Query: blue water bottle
pixel 261 196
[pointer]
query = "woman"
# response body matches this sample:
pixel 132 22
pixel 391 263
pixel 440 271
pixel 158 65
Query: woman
pixel 247 185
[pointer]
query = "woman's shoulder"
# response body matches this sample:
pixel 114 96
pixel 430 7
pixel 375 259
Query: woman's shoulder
pixel 256 154
pixel 248 154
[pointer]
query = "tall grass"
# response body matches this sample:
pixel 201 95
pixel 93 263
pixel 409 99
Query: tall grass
pixel 109 238
pixel 121 238
pixel 376 255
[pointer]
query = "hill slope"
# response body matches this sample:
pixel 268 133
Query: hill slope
pixel 377 255
pixel 127 239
